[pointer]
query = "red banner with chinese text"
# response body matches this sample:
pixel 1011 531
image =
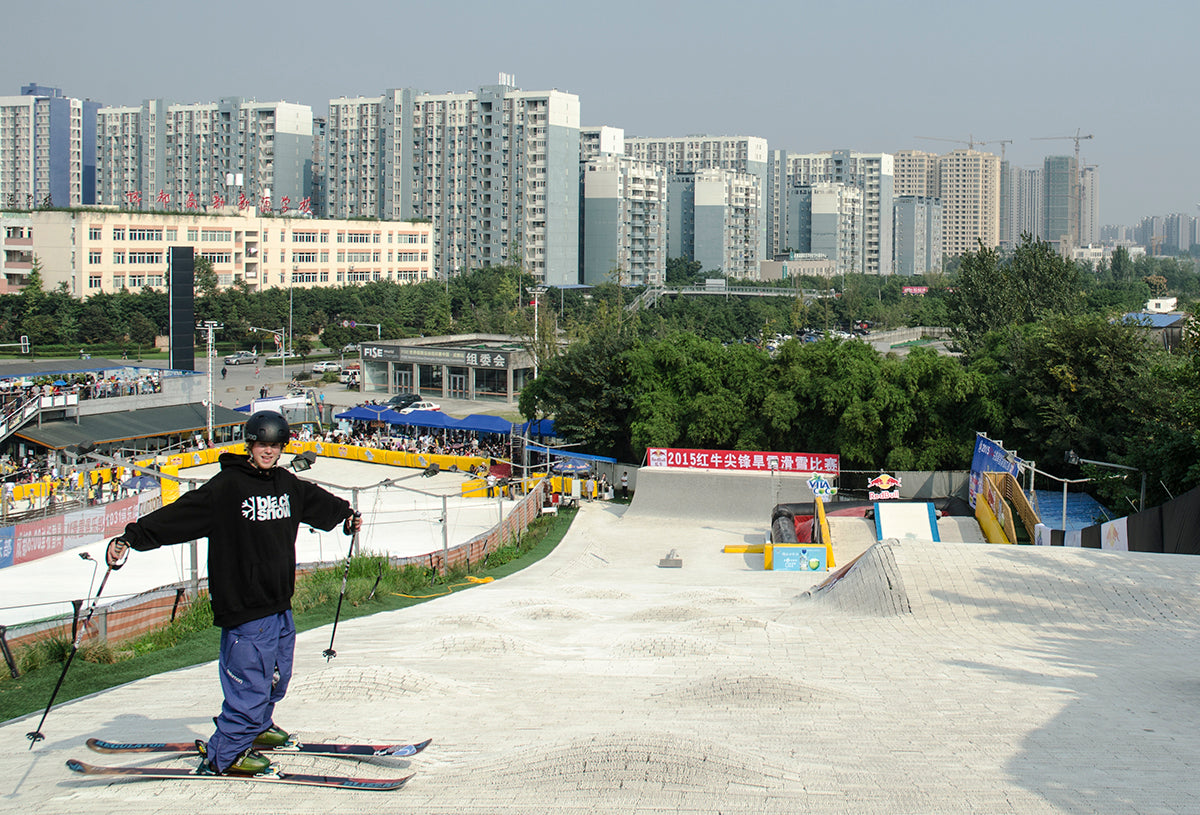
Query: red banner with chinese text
pixel 827 464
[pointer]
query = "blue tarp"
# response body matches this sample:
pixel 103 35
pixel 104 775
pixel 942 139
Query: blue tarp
pixel 1082 509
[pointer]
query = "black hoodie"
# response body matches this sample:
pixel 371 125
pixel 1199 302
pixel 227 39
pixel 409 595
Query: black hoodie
pixel 250 518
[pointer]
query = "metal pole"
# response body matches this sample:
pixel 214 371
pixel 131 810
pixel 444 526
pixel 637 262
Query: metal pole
pixel 354 503
pixel 291 284
pixel 445 539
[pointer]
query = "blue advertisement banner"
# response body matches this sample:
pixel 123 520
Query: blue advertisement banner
pixel 989 457
pixel 6 546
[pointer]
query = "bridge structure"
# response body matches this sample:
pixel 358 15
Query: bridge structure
pixel 650 297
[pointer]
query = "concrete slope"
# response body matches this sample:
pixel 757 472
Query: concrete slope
pixel 1020 679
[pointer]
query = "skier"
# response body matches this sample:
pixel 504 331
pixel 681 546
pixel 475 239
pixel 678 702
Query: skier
pixel 250 512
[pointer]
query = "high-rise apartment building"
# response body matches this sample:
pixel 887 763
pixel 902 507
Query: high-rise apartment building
pixel 47 149
pixel 713 217
pixel 496 171
pixel 624 220
pixel 871 173
pixel 918 235
pixel 202 156
pixel 916 173
pixel 1089 211
pixel 1021 204
pixel 825 218
pixel 1061 201
pixel 969 187
pixel 688 154
pixel 598 141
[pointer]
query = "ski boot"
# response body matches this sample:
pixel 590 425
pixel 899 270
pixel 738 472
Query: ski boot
pixel 250 762
pixel 273 737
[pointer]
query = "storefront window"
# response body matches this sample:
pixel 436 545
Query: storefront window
pixel 491 384
pixel 431 380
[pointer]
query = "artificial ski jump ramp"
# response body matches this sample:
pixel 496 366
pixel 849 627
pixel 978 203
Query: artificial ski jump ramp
pixel 713 495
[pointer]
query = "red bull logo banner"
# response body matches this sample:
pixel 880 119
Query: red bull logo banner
pixel 883 487
pixel 827 464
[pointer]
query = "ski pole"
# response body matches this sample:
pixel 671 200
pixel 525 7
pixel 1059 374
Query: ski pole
pixel 78 631
pixel 329 653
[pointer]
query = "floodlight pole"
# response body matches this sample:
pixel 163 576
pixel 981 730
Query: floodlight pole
pixel 538 291
pixel 210 326
pixel 1074 458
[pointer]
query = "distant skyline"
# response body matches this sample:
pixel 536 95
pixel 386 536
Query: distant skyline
pixel 863 75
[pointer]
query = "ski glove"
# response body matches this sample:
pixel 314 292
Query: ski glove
pixel 352 524
pixel 117 554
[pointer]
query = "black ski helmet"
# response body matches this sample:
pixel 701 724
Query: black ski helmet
pixel 267 426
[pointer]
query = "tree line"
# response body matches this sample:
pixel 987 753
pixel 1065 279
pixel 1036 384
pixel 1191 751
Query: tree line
pixel 1042 361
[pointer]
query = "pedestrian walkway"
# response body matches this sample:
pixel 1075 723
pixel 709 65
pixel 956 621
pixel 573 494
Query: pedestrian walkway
pixel 995 679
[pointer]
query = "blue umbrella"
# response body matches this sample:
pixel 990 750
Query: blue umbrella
pixel 140 482
pixel 571 466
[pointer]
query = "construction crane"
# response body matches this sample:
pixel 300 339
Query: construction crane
pixel 1002 143
pixel 970 141
pixel 1076 138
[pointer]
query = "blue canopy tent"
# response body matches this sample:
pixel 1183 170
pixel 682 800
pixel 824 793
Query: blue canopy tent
pixel 425 418
pixel 570 454
pixel 482 423
pixel 538 427
pixel 367 413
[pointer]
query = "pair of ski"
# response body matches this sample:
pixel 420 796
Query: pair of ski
pixel 274 776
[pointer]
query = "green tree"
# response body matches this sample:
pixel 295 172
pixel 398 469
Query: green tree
pixel 991 293
pixel 584 389
pixel 1101 388
pixel 682 272
pixel 142 330
pixel 204 278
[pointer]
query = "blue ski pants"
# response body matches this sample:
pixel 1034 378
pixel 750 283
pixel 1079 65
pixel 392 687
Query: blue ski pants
pixel 255 665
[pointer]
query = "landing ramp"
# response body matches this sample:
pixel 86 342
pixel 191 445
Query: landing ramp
pixel 906 520
pixel 712 495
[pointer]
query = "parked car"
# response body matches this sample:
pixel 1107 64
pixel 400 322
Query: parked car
pixel 241 358
pixel 421 406
pixel 352 348
pixel 282 355
pixel 326 367
pixel 402 400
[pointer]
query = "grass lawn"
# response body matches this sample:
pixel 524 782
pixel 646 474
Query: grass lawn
pixel 373 586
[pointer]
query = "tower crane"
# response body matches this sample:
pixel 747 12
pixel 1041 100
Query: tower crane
pixel 1002 142
pixel 1076 138
pixel 970 141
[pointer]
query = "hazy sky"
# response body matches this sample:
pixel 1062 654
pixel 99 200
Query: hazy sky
pixel 863 75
